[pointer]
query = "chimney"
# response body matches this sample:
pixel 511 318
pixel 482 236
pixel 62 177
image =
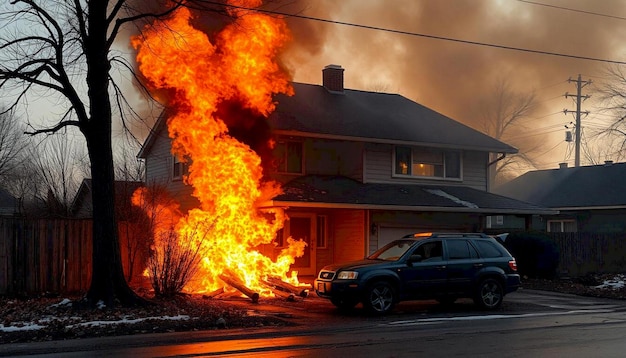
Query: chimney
pixel 608 163
pixel 332 77
pixel 562 165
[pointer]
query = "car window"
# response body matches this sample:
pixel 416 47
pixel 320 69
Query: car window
pixel 430 251
pixel 460 249
pixel 488 248
pixel 393 250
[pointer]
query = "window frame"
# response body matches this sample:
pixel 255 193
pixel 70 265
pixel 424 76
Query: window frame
pixel 444 153
pixel 562 223
pixel 285 159
pixel 183 168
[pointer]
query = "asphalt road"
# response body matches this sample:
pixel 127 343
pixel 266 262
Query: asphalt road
pixel 530 324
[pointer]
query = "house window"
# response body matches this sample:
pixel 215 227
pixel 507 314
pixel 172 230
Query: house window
pixel 493 221
pixel 427 162
pixel 179 168
pixel 322 231
pixel 288 156
pixel 562 226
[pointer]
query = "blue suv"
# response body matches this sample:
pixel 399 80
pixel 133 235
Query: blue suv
pixel 441 266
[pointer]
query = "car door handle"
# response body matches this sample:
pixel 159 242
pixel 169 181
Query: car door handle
pixel 478 265
pixel 442 267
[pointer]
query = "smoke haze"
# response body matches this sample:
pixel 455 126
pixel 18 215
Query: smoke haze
pixel 453 77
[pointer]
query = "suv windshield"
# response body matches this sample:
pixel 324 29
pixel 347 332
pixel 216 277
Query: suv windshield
pixel 392 251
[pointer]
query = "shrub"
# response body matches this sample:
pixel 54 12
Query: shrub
pixel 172 263
pixel 536 254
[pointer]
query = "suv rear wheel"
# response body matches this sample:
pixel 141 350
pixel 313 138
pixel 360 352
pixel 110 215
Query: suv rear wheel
pixel 489 294
pixel 380 297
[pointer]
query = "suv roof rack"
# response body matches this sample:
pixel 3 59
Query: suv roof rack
pixel 445 234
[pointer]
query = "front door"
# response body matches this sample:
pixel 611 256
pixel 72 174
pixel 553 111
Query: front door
pixel 302 227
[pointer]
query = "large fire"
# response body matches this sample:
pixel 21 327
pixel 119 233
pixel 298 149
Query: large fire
pixel 226 174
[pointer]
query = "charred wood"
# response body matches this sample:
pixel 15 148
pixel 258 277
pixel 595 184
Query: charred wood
pixel 240 286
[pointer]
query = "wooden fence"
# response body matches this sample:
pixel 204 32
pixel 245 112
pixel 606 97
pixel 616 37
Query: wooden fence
pixel 39 256
pixel 582 253
pixel 52 255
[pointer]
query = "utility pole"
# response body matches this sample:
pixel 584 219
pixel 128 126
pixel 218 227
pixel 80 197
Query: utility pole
pixel 579 98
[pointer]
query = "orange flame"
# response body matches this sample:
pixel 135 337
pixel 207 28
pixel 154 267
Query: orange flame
pixel 226 174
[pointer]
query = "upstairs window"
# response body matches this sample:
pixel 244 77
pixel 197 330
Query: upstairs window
pixel 179 168
pixel 288 155
pixel 427 163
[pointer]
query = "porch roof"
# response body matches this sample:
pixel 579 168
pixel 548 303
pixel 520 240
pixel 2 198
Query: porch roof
pixel 343 192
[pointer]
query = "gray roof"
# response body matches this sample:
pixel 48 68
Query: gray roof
pixel 355 115
pixel 577 187
pixel 338 191
pixel 374 117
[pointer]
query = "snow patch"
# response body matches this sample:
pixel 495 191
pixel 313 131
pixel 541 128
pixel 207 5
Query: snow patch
pixel 129 321
pixel 616 283
pixel 64 302
pixel 21 326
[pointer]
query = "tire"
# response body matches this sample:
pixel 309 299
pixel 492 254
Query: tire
pixel 344 304
pixel 489 294
pixel 380 297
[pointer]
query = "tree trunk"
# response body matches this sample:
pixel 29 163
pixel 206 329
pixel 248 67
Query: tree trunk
pixel 108 284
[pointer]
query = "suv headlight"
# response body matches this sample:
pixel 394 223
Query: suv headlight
pixel 347 275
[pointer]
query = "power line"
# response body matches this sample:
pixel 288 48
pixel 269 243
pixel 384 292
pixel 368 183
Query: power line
pixel 416 34
pixel 573 10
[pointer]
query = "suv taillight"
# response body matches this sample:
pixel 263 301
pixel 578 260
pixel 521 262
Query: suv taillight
pixel 513 265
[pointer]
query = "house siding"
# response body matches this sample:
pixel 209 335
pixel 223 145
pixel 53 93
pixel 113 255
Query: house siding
pixel 379 168
pixel 159 172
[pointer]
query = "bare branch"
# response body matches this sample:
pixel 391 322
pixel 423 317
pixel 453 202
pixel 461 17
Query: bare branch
pixel 54 129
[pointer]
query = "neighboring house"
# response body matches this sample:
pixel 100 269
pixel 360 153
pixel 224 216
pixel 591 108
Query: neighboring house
pixel 360 169
pixel 588 198
pixel 8 204
pixel 82 206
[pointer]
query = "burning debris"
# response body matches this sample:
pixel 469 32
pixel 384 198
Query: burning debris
pixel 206 82
pixel 277 286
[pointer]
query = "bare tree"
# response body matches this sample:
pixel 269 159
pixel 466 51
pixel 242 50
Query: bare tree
pixel 13 143
pixel 127 166
pixel 612 97
pixel 505 115
pixel 64 49
pixel 58 175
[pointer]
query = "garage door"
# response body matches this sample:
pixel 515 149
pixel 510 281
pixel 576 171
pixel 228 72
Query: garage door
pixel 388 234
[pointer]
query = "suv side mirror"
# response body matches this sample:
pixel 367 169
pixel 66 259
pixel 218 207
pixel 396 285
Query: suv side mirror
pixel 415 258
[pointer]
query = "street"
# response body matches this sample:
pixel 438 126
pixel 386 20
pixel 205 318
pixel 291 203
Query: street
pixel 535 323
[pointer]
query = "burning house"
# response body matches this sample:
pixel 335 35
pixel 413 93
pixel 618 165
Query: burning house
pixel 359 169
pixel 282 178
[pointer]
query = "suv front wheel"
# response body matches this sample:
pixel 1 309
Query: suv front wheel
pixel 489 294
pixel 380 297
